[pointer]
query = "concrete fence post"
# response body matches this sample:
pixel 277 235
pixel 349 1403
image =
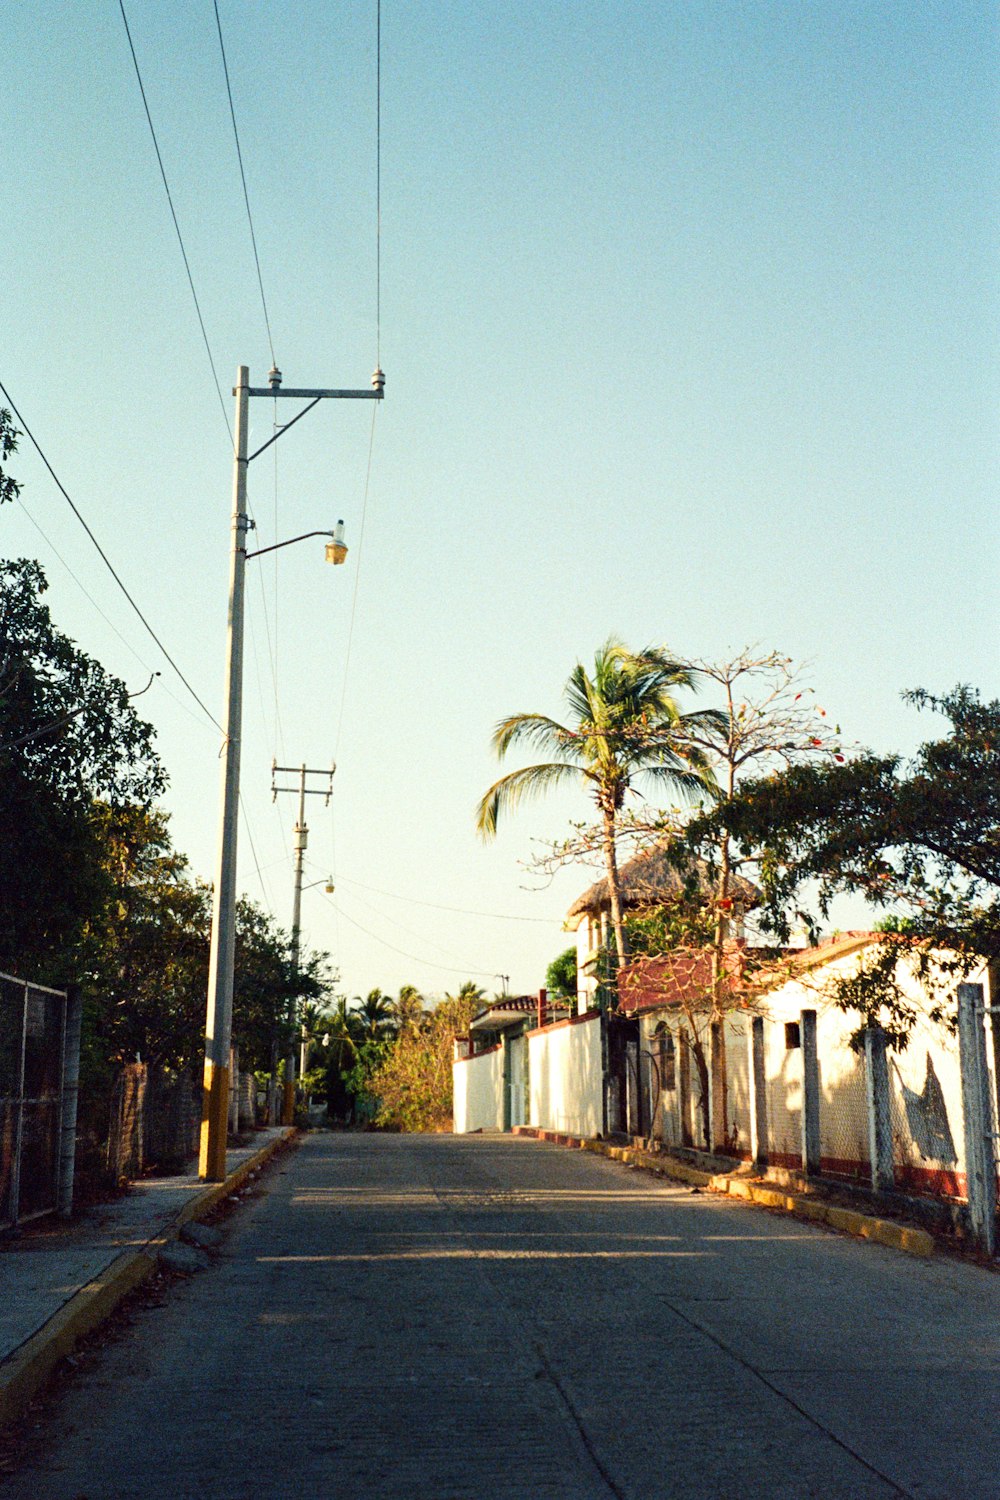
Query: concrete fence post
pixel 977 1117
pixel 878 1100
pixel 684 1131
pixel 717 1086
pixel 758 1092
pixel 810 1094
pixel 70 1098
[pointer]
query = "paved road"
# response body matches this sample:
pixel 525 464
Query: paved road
pixel 499 1319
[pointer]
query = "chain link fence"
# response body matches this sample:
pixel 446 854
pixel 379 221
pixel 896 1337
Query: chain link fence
pixel 32 1037
pixel 155 1118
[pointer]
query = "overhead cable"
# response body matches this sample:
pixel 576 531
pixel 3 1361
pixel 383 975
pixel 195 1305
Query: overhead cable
pixel 177 227
pixel 104 557
pixel 246 196
pixel 428 963
pixel 438 906
pixel 357 578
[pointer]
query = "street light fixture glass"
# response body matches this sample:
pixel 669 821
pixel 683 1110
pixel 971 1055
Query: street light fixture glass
pixel 336 550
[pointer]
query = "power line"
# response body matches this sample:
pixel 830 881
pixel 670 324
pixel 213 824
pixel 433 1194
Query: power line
pixel 105 617
pixel 177 227
pixel 104 556
pixel 268 897
pixel 378 182
pixel 428 963
pixel 438 906
pixel 402 927
pixel 357 579
pixel 246 196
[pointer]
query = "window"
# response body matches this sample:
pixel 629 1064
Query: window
pixel 793 1037
pixel 665 1058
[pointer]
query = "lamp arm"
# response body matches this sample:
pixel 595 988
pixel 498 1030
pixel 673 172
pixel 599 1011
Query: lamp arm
pixel 290 543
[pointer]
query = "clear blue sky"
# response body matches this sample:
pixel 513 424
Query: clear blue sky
pixel 689 321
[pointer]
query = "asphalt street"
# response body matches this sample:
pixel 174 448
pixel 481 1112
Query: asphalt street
pixel 495 1318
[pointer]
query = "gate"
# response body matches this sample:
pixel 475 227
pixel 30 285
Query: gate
pixel 32 1052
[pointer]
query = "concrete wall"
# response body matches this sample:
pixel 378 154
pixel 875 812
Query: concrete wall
pixel 925 1084
pixel 477 1083
pixel 565 1078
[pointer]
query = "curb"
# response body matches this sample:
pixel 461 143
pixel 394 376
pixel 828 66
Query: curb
pixel 25 1371
pixel 886 1232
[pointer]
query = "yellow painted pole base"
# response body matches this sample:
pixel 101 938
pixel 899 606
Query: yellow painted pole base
pixel 288 1104
pixel 214 1124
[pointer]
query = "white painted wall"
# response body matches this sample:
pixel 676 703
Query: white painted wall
pixel 564 1072
pixel 925 1081
pixel 477 1083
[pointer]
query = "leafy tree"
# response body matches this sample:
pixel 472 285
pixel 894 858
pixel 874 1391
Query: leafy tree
pixel 625 728
pixel 918 837
pixel 266 982
pixel 70 741
pixel 361 1080
pixel 413 1082
pixel 560 976
pixel 9 487
pixel 144 954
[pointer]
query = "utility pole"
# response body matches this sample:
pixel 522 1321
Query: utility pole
pixel 219 1008
pixel 301 843
pixel 219 1015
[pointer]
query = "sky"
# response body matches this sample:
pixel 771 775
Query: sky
pixel 688 315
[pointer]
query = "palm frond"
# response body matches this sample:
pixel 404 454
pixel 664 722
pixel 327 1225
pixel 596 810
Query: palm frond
pixel 511 790
pixel 689 782
pixel 579 694
pixel 537 730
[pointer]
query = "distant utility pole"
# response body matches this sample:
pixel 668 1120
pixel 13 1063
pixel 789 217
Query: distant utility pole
pixel 301 841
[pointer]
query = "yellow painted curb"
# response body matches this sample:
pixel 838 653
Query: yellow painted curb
pixel 850 1221
pixel 24 1371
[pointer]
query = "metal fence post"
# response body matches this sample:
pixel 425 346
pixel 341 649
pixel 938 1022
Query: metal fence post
pixel 877 1098
pixel 977 1117
pixel 15 1175
pixel 234 1091
pixel 810 1094
pixel 758 1093
pixel 70 1095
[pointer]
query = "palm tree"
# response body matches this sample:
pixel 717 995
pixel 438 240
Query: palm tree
pixel 342 1030
pixel 373 1015
pixel 407 1008
pixel 625 726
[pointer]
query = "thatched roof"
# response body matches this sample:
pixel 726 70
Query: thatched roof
pixel 651 879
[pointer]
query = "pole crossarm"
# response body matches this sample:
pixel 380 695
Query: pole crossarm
pixel 275 393
pixel 314 396
pixel 302 789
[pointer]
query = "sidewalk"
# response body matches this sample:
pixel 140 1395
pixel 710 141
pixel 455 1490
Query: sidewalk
pixel 64 1278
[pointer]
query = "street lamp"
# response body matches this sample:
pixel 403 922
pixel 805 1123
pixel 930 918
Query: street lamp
pixel 219 1011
